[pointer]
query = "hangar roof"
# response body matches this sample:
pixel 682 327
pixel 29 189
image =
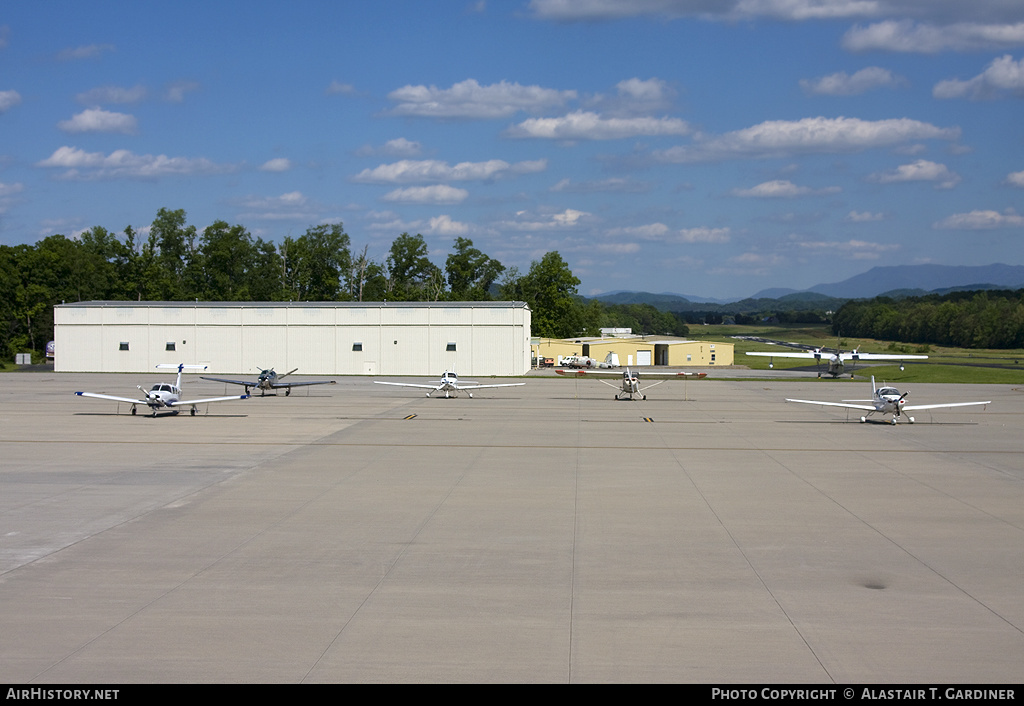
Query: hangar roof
pixel 301 305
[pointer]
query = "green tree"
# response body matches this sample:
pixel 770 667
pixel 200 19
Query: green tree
pixel 315 262
pixel 471 273
pixel 411 276
pixel 550 290
pixel 228 256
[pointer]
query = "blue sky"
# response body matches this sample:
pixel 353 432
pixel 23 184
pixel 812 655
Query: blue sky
pixel 689 146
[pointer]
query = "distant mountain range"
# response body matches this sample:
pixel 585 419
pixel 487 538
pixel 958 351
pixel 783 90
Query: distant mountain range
pixel 896 281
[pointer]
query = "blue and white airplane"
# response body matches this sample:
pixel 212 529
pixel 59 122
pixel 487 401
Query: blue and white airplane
pixel 269 380
pixel 887 400
pixel 450 385
pixel 164 396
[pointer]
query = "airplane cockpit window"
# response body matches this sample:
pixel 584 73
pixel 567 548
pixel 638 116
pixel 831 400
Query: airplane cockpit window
pixel 889 391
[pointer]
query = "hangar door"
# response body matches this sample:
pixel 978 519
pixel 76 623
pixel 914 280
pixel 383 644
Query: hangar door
pixel 643 357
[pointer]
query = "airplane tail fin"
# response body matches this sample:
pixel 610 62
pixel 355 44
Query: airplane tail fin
pixel 180 367
pixel 873 388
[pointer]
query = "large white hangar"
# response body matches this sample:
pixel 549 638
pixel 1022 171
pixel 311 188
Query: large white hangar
pixel 318 338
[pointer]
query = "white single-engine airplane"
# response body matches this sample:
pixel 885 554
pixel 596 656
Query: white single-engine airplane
pixel 270 380
pixel 888 400
pixel 630 380
pixel 837 360
pixel 450 385
pixel 164 396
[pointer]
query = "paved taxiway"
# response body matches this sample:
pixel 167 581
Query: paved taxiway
pixel 543 533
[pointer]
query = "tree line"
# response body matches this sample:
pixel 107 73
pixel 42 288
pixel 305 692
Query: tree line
pixel 177 262
pixel 974 319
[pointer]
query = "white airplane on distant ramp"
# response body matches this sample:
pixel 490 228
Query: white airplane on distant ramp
pixel 629 380
pixel 450 385
pixel 165 396
pixel 887 400
pixel 270 380
pixel 837 360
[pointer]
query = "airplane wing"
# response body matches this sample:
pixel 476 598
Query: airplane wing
pixel 298 384
pixel 868 407
pixel 231 382
pixel 407 384
pixel 808 355
pixel 853 355
pixel 111 397
pixel 187 403
pixel 480 387
pixel 618 374
pixel 909 407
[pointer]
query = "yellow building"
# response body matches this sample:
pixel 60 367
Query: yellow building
pixel 638 351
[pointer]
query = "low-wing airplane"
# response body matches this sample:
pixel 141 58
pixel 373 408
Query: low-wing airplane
pixel 887 400
pixel 270 380
pixel 837 359
pixel 450 385
pixel 630 380
pixel 165 396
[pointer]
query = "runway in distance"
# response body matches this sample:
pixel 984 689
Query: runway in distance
pixel 887 400
pixel 450 385
pixel 836 358
pixel 629 380
pixel 165 396
pixel 270 380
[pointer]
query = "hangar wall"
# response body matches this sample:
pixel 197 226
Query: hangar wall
pixel 318 338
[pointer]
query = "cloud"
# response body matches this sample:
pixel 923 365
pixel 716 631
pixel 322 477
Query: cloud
pixel 921 170
pixel 781 188
pixel 291 206
pixel 399 147
pixel 9 99
pixel 280 164
pixel 908 36
pixel 99 120
pixel 635 96
pixel 410 171
pixel 651 231
pixel 777 138
pixel 576 10
pixel 439 193
pixel 112 94
pixel 842 84
pixel 1015 179
pixel 704 235
pixel 981 220
pixel 176 91
pixel 338 88
pixel 863 217
pixel 444 225
pixel 468 99
pixel 1003 74
pixel 89 51
pixel 581 125
pixel 124 164
pixel 567 219
pixel 610 185
pixel 851 249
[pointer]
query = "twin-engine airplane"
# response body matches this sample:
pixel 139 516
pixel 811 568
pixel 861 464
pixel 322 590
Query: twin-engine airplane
pixel 450 385
pixel 630 380
pixel 888 400
pixel 837 360
pixel 270 380
pixel 164 396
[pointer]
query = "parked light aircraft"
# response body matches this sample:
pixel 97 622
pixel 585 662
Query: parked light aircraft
pixel 165 396
pixel 450 385
pixel 837 360
pixel 887 400
pixel 630 380
pixel 270 380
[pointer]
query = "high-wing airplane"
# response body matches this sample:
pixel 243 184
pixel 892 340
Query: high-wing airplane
pixel 887 400
pixel 837 360
pixel 629 380
pixel 270 380
pixel 450 385
pixel 165 396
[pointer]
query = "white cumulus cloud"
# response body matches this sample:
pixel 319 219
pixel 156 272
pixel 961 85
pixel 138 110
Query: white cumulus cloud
pixel 843 84
pixel 468 99
pixel 1003 74
pixel 99 120
pixel 781 188
pixel 112 94
pixel 1015 179
pixel 427 170
pixel 909 36
pixel 438 193
pixel 79 164
pixel 778 138
pixel 921 170
pixel 9 99
pixel 586 125
pixel 863 217
pixel 981 220
pixel 280 164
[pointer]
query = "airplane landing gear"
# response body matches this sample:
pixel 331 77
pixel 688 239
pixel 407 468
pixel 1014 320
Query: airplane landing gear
pixel 193 411
pixel 133 410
